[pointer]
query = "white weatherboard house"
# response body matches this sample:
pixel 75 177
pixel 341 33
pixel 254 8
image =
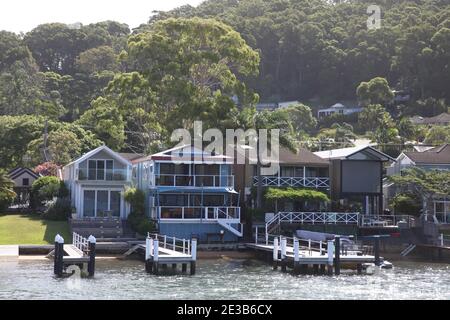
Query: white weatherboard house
pixel 97 182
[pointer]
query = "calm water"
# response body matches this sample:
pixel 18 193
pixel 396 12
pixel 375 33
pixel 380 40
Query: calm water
pixel 220 279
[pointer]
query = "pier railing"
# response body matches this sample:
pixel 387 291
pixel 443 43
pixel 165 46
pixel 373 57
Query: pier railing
pixel 387 221
pixel 172 243
pixel 311 246
pixel 312 218
pixel 80 242
pixel 311 182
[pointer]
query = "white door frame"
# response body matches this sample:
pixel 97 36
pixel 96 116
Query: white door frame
pixel 121 215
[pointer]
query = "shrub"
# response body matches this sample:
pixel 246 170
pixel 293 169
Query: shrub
pixel 136 198
pixel 58 210
pixel 137 219
pixel 45 189
pixel 406 203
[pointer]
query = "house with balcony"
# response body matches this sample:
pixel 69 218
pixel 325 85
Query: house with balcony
pixel 97 181
pixel 190 193
pixel 356 178
pixel 296 170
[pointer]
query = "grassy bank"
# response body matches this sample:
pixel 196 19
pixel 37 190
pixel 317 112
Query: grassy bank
pixel 28 229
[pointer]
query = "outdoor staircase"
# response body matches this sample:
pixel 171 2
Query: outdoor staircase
pixel 229 226
pixel 99 228
pixel 408 250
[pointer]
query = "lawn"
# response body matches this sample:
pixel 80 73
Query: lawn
pixel 28 229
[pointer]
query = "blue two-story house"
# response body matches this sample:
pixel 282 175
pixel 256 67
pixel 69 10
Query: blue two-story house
pixel 190 192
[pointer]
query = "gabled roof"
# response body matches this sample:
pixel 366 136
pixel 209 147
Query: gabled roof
pixel 287 157
pixel 437 155
pixel 130 156
pixel 89 154
pixel 188 153
pixel 13 174
pixel 352 153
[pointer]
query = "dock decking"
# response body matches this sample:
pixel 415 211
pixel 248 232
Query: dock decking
pixel 299 254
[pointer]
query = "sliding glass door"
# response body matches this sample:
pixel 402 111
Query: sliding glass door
pixel 101 203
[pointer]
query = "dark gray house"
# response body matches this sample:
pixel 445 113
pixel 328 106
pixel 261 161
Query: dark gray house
pixel 356 176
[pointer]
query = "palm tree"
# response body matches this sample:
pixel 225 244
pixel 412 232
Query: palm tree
pixel 249 118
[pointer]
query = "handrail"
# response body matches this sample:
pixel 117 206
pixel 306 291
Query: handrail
pixel 204 212
pixel 194 180
pixel 80 242
pixel 275 181
pixel 172 243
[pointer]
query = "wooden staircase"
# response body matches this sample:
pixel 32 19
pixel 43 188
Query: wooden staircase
pixel 98 227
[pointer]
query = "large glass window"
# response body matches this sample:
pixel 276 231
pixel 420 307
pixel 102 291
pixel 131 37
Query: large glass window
pixel 101 169
pixel 101 203
pixel 89 203
pixel 115 203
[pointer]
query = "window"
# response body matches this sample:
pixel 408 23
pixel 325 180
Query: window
pixel 101 170
pixel 25 182
pixel 99 203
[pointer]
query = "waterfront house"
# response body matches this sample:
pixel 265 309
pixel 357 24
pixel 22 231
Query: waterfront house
pixel 437 158
pixel 190 193
pixel 23 178
pixel 97 181
pixel 356 175
pixel 442 119
pixel 432 158
pixel 296 170
pixel 337 108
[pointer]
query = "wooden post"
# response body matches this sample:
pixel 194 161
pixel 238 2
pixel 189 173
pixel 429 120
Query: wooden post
pixel 194 255
pixel 296 256
pixel 91 264
pixel 155 256
pixel 337 255
pixel 359 268
pixel 283 254
pixel 59 256
pixel 330 249
pixel 315 269
pixel 376 249
pixel 322 269
pixel 275 253
pixel 184 267
pixel 148 254
pixel 256 235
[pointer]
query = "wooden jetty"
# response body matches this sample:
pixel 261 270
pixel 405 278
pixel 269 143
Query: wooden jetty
pixel 162 251
pixel 300 254
pixel 80 252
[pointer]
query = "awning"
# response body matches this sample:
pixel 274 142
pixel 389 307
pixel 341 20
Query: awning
pixel 193 190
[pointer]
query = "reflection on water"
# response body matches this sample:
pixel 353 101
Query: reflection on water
pixel 221 279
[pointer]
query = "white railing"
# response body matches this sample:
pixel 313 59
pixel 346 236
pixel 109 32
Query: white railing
pixel 309 182
pixel 80 242
pixel 185 180
pixel 387 221
pixel 312 218
pixel 172 243
pixel 197 212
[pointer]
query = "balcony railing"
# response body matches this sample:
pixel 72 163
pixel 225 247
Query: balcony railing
pixel 207 213
pixel 182 180
pixel 102 174
pixel 309 182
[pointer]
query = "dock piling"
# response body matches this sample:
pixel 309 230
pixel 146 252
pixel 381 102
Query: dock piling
pixel 59 256
pixel 283 254
pixel 376 249
pixel 330 251
pixel 275 253
pixel 155 256
pixel 296 256
pixel 91 264
pixel 337 255
pixel 194 255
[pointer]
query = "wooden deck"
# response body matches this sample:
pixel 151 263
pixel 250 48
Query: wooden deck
pixel 314 257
